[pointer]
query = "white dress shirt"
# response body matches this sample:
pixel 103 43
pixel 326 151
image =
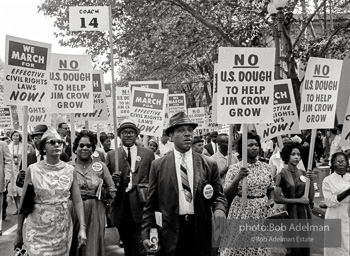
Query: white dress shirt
pixel 184 206
pixel 214 145
pixel 133 152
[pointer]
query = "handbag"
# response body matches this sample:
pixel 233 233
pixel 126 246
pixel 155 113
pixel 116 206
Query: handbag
pixel 20 251
pixel 278 215
pixel 28 201
pixel 142 193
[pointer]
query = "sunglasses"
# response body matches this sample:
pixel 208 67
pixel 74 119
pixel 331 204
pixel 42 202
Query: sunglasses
pixel 82 145
pixel 54 142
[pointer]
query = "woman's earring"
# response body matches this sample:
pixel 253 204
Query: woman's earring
pixel 44 151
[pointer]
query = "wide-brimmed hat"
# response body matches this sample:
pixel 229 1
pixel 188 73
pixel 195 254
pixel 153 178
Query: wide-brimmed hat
pixel 127 123
pixel 179 119
pixel 197 139
pixel 50 132
pixel 40 129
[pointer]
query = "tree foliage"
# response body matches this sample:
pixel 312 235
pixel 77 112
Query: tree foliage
pixel 177 41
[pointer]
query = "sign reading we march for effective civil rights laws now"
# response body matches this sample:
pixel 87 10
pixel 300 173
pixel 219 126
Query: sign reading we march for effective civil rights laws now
pixel 319 93
pixel 147 110
pixel 100 112
pixel 71 83
pixel 176 104
pixel 245 85
pixel 26 72
pixel 285 115
pixel 88 18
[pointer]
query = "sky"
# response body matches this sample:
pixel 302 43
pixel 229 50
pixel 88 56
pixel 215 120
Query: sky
pixel 20 18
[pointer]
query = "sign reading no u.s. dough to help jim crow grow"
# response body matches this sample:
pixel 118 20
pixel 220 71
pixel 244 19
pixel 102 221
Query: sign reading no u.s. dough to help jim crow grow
pixel 285 115
pixel 245 85
pixel 26 80
pixel 71 83
pixel 147 110
pixel 319 93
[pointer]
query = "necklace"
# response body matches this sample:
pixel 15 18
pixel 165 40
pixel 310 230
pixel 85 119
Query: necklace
pixel 84 165
pixel 51 165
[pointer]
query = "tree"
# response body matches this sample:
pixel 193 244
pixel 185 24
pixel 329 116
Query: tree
pixel 177 41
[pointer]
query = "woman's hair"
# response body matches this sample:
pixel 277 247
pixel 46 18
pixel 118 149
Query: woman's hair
pixel 104 137
pixel 85 134
pixel 154 142
pixel 288 148
pixel 15 131
pixel 334 157
pixel 252 136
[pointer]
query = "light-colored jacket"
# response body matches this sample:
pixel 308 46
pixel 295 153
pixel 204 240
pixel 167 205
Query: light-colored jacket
pixel 5 165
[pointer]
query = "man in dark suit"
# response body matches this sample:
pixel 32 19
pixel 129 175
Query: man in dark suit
pixel 134 163
pixel 63 131
pixel 184 190
pixel 212 147
pixel 33 157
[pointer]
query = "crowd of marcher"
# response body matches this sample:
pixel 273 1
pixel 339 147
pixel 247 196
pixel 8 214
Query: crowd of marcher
pixel 163 197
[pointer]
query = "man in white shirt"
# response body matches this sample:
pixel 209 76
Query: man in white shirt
pixel 165 146
pixel 221 157
pixel 185 193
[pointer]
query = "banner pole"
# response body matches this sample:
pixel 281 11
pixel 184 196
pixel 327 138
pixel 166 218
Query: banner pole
pixel 230 142
pixel 87 125
pixel 24 139
pixel 98 135
pixel 113 90
pixel 244 159
pixel 310 162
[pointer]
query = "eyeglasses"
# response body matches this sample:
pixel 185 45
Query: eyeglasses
pixel 82 145
pixel 65 128
pixel 340 162
pixel 128 133
pixel 54 142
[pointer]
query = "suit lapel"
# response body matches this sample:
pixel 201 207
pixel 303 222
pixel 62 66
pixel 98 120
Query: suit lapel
pixel 196 173
pixel 171 163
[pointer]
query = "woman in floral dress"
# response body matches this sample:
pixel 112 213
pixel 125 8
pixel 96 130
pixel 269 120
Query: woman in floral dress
pixel 259 196
pixel 49 225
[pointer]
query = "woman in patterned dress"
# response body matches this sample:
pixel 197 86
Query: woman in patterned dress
pixel 49 225
pixel 259 196
pixel 91 176
pixel 291 182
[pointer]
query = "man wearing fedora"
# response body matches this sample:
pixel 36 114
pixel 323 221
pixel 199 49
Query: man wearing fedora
pixel 134 163
pixel 34 156
pixel 185 193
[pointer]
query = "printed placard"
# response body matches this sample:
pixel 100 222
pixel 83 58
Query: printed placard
pixel 209 121
pixel 176 104
pixel 245 91
pixel 145 84
pixel 6 121
pixel 285 115
pixel 88 18
pixel 109 99
pixel 26 80
pixel 36 115
pixel 147 110
pixel 71 83
pixel 197 115
pixel 123 103
pixel 319 93
pixel 345 135
pixel 100 104
pixel 214 103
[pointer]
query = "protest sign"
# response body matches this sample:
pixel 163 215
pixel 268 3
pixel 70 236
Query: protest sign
pixel 197 115
pixel 209 122
pixel 71 83
pixel 147 110
pixel 26 80
pixel 145 84
pixel 285 115
pixel 176 104
pixel 245 91
pixel 109 99
pixel 345 135
pixel 319 93
pixel 344 90
pixel 88 18
pixel 100 112
pixel 123 103
pixel 6 121
pixel 36 115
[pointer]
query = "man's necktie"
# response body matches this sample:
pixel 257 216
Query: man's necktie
pixel 184 179
pixel 129 156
